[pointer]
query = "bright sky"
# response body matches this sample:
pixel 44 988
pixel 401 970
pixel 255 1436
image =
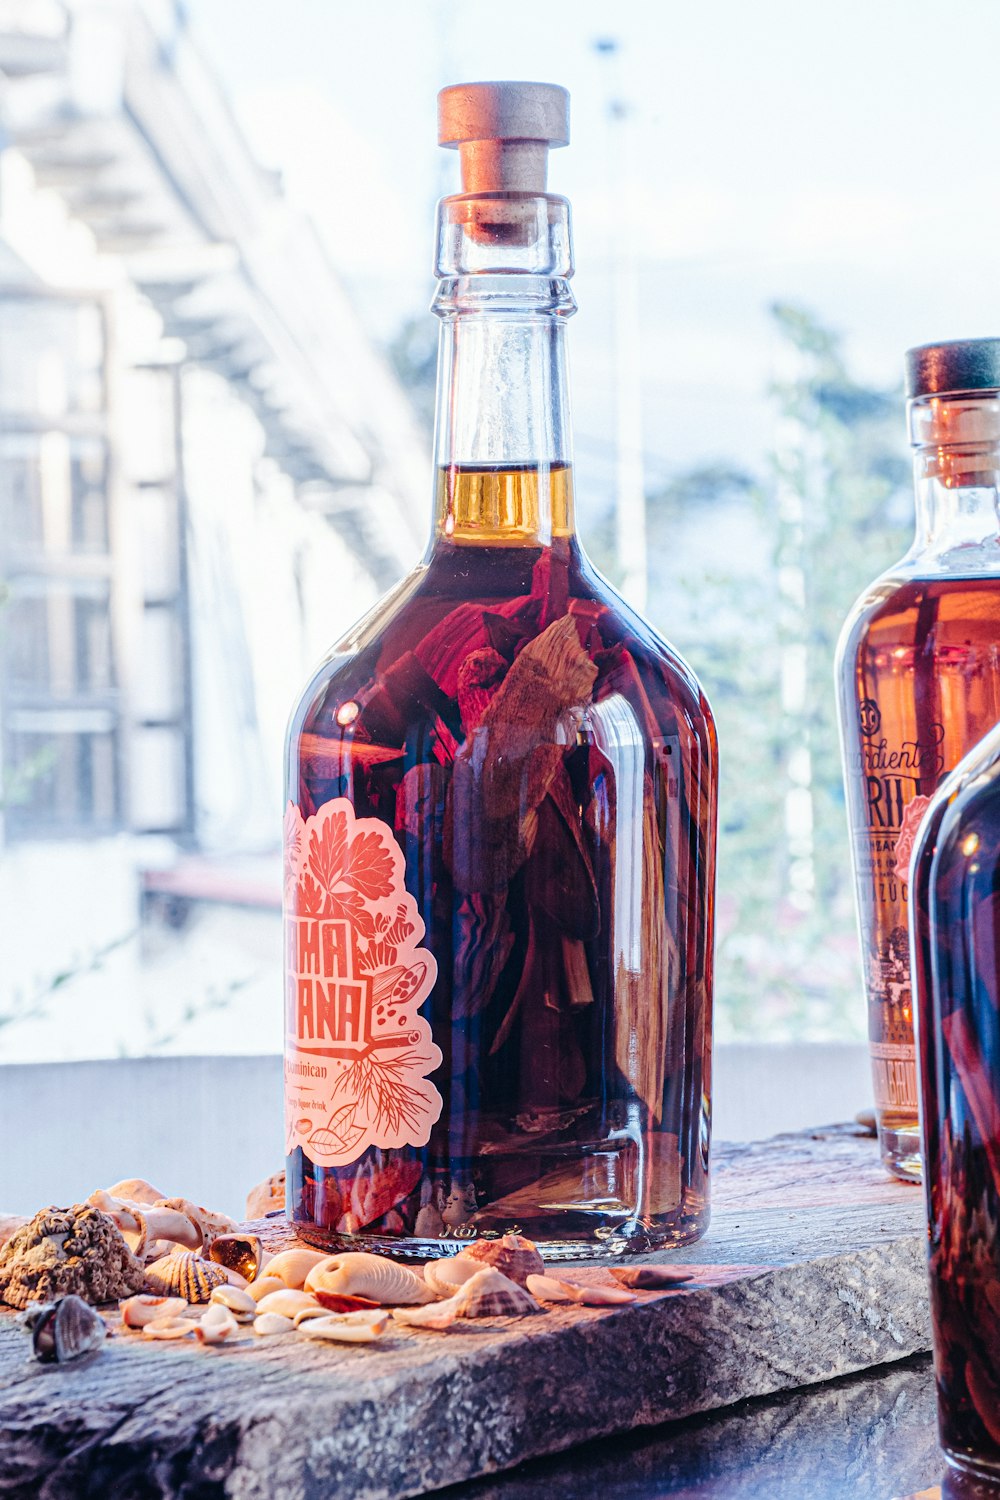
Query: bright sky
pixel 841 154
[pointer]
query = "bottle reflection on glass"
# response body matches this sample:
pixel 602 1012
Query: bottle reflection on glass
pixel 955 919
pixel 918 677
pixel 500 835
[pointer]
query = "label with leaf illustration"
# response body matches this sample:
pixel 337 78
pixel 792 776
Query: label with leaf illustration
pixel 357 1054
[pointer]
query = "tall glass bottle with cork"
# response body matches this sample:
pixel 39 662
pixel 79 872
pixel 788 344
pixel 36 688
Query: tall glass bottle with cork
pixel 501 818
pixel 919 684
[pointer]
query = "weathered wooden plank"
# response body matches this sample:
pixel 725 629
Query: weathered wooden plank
pixel 814 1268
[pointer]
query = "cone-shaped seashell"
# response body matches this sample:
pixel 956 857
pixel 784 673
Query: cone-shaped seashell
pixel 243 1253
pixel 293 1266
pixel 215 1326
pixel 488 1294
pixel 342 1302
pixel 360 1274
pixel 138 1311
pixel 553 1289
pixel 287 1301
pixel 63 1330
pixel 168 1328
pixel 512 1255
pixel 263 1285
pixel 236 1301
pixel 186 1275
pixel 270 1323
pixel 651 1278
pixel 445 1276
pixel 347 1328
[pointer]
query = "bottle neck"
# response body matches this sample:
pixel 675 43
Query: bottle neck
pixel 957 482
pixel 502 444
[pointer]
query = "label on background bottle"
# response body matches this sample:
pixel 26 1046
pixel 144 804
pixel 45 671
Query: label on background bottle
pixel 887 810
pixel 357 1053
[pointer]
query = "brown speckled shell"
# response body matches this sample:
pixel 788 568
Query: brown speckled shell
pixel 512 1255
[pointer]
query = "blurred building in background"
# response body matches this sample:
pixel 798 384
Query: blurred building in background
pixel 206 473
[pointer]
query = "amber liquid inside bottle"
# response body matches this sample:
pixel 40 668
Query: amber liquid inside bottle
pixel 956 928
pixel 920 685
pixel 546 766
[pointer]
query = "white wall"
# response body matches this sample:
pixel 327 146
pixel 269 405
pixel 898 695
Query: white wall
pixel 210 1127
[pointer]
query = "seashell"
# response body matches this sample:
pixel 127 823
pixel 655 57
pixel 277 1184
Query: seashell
pixel 243 1253
pixel 268 1197
pixel 288 1301
pixel 260 1288
pixel 269 1323
pixel 651 1278
pixel 445 1276
pixel 319 1311
pixel 215 1326
pixel 552 1289
pixel 235 1301
pixel 138 1311
pixel 168 1328
pixel 293 1266
pixel 512 1255
pixel 134 1190
pixel 184 1274
pixel 488 1294
pixel 361 1274
pixel 347 1328
pixel 64 1330
pixel 342 1302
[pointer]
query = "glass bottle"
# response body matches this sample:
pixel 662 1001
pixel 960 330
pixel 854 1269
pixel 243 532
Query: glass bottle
pixel 918 676
pixel 955 926
pixel 501 818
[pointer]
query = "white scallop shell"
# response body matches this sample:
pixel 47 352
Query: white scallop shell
pixel 293 1266
pixel 236 1301
pixel 271 1323
pixel 359 1274
pixel 347 1328
pixel 445 1276
pixel 138 1311
pixel 287 1302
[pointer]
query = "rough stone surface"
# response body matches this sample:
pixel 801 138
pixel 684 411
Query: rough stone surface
pixel 813 1268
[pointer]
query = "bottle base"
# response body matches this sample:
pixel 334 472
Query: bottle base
pixel 900 1148
pixel 605 1243
pixel 974 1468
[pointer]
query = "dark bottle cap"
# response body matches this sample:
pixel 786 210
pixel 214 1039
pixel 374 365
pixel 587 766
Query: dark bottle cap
pixel 959 365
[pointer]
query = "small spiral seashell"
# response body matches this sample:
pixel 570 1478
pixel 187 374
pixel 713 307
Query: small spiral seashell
pixel 186 1275
pixel 271 1323
pixel 512 1255
pixel 359 1274
pixel 293 1266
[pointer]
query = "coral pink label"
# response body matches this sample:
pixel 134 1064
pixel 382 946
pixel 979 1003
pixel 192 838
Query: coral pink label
pixel 910 827
pixel 357 1054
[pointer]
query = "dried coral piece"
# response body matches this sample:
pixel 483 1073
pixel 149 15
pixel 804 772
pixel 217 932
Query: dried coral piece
pixel 142 1309
pixel 360 1274
pixel 651 1278
pixel 76 1250
pixel 184 1274
pixel 513 1255
pixel 64 1330
pixel 268 1197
